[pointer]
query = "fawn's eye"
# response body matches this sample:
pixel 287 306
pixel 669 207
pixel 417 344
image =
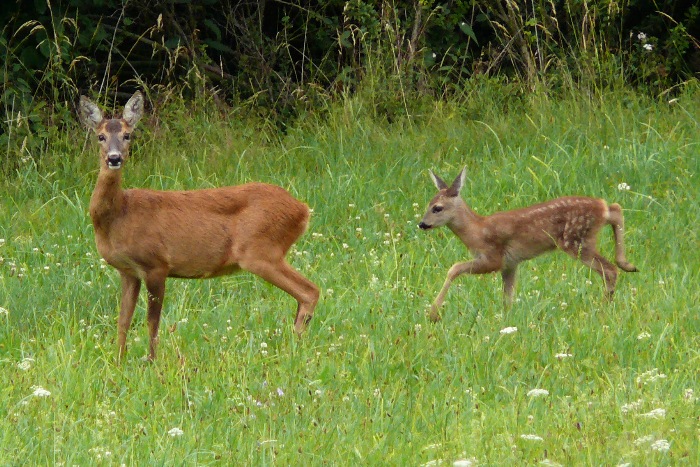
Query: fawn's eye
pixel 101 138
pixel 437 209
pixel 127 136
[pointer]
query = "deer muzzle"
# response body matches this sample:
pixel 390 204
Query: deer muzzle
pixel 114 161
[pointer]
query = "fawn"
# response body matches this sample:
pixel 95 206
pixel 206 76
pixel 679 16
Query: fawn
pixel 502 240
pixel 149 235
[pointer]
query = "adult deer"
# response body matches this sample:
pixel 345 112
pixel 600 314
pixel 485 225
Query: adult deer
pixel 149 235
pixel 502 240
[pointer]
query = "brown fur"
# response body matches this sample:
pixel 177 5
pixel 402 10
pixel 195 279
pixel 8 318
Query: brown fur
pixel 149 235
pixel 502 240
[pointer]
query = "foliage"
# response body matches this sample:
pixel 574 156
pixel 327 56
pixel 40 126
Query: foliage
pixel 288 59
pixel 372 382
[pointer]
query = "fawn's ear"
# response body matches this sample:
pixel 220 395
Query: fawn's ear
pixel 439 183
pixel 133 110
pixel 458 183
pixel 89 113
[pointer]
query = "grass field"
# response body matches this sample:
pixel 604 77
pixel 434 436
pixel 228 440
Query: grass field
pixel 372 382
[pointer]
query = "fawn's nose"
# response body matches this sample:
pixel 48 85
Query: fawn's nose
pixel 424 226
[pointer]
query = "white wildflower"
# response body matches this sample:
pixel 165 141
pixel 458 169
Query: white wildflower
pixel 562 356
pixel 649 47
pixel 4 311
pixel 643 335
pixel 650 376
pixel 40 392
pixel 550 463
pixel 644 440
pixel 623 187
pixel 25 364
pixel 509 330
pixel 656 413
pixel 688 394
pixel 532 437
pixel 661 445
pixel 631 407
pixel 537 392
pixel 464 462
pixel 175 432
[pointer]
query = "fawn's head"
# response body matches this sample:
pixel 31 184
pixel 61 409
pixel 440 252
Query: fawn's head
pixel 113 134
pixel 442 208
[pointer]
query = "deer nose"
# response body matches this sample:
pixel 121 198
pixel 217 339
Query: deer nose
pixel 114 160
pixel 424 226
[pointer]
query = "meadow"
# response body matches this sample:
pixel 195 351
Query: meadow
pixel 562 378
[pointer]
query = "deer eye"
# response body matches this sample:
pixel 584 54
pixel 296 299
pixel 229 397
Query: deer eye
pixel 127 136
pixel 437 209
pixel 102 138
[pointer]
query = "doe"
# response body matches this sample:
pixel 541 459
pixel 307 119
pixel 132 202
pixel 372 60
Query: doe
pixel 149 235
pixel 502 240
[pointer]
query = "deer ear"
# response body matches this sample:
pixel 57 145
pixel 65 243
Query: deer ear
pixel 439 183
pixel 89 113
pixel 133 110
pixel 458 183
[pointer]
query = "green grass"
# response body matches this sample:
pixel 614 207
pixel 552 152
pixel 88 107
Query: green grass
pixel 372 382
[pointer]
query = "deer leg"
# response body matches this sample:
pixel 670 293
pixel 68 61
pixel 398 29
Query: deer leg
pixel 508 275
pixel 282 275
pixel 602 266
pixel 616 220
pixel 155 283
pixel 476 266
pixel 130 294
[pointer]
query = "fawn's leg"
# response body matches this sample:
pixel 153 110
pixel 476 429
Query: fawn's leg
pixel 476 266
pixel 617 221
pixel 508 275
pixel 594 260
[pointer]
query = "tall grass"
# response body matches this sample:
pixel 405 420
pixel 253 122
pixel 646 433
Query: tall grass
pixel 372 382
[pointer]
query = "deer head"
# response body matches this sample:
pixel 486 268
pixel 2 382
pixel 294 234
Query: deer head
pixel 442 208
pixel 113 134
